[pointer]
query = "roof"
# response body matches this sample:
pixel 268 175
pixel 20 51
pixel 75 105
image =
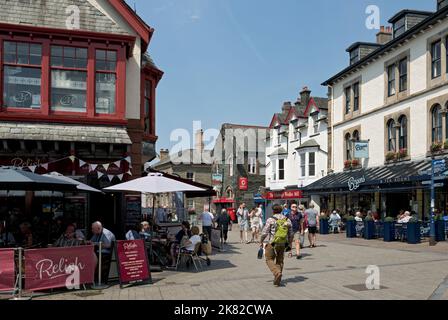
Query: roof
pixel 441 14
pixel 148 61
pixel 409 12
pixel 309 144
pixel 242 126
pixel 278 152
pixel 359 44
pixel 63 132
pixel 374 177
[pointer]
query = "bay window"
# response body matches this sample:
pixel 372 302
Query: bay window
pixel 22 75
pixel 312 164
pixel 105 81
pixel 68 79
pixel 302 165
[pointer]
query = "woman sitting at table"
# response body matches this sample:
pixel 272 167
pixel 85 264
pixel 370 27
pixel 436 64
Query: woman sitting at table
pixel 134 233
pixel 195 238
pixel 182 235
pixel 405 218
pixel 146 230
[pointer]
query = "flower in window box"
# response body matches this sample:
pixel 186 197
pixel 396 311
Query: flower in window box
pixel 355 163
pixel 403 153
pixel 347 164
pixel 191 211
pixel 436 147
pixel 390 156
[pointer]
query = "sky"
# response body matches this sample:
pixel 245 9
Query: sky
pixel 237 61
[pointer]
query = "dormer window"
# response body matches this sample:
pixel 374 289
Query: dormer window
pixel 354 56
pixel 399 27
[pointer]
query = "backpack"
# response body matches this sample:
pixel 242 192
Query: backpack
pixel 281 231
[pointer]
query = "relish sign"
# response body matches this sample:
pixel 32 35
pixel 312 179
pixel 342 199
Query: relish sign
pixel 59 267
pixel 7 278
pixel 133 263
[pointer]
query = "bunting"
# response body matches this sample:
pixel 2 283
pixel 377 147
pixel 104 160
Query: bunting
pixel 93 167
pixel 82 163
pixel 117 163
pixel 45 166
pixel 111 177
pixel 32 168
pixel 120 176
pixel 100 174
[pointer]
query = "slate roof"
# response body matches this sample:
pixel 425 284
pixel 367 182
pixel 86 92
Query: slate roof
pixel 63 132
pixel 278 152
pixel 309 144
pixel 51 14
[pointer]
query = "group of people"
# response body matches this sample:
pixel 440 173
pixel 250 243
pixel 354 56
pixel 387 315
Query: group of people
pixel 249 220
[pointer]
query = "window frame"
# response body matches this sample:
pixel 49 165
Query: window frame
pixel 403 77
pixel 311 164
pixel 436 130
pixel 355 97
pixel 45 113
pixel 281 169
pixel 348 147
pixel 403 142
pixel 252 165
pixel 391 136
pixel 391 80
pixel 436 60
pixel 302 164
pixel 348 100
pixel 109 72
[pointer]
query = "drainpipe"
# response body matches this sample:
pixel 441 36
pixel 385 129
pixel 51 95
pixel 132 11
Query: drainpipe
pixel 332 127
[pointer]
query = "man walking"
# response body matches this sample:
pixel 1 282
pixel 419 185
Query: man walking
pixel 207 223
pixel 312 218
pixel 224 222
pixel 243 221
pixel 277 234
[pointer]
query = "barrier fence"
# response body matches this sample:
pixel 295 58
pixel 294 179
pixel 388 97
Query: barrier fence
pixel 68 267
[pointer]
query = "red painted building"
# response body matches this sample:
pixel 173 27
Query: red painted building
pixel 78 89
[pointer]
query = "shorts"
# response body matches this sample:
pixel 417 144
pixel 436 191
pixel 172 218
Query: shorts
pixel 244 226
pixel 312 230
pixel 297 236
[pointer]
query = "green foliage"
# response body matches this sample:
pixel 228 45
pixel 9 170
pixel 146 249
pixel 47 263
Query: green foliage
pixel 389 219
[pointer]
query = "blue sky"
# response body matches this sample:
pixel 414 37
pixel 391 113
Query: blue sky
pixel 237 61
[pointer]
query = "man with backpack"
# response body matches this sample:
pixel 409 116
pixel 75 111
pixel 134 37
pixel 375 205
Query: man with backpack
pixel 278 236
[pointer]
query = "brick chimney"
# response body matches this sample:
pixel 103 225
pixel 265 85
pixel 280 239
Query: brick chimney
pixel 199 141
pixel 164 154
pixel 305 95
pixel 286 107
pixel 385 35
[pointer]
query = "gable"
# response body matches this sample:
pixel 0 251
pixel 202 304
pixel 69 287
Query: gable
pixel 52 14
pixel 312 107
pixel 274 121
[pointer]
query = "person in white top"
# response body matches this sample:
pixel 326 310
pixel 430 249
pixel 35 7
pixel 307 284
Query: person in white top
pixel 255 218
pixel 195 239
pixel 406 218
pixel 207 223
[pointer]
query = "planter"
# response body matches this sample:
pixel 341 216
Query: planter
pixel 369 230
pixel 323 226
pixel 350 229
pixel 389 231
pixel 440 230
pixel 413 232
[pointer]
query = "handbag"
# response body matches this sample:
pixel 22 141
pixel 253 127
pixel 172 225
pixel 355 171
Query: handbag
pixel 260 253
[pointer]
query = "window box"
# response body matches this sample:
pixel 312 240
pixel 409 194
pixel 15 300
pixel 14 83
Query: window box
pixel 355 163
pixel 347 164
pixel 391 156
pixel 403 153
pixel 436 147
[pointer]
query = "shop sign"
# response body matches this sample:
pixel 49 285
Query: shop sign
pixel 284 195
pixel 133 263
pixel 354 184
pixel 361 150
pixel 216 179
pixel 7 269
pixel 244 184
pixel 58 267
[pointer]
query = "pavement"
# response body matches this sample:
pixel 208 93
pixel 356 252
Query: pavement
pixel 335 270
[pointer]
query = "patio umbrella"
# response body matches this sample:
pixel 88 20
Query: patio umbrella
pixel 154 183
pixel 80 186
pixel 18 179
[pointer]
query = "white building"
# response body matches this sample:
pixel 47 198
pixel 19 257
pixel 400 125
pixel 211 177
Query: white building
pixel 394 96
pixel 296 150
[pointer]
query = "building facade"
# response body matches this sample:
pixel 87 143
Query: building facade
pixel 78 90
pixel 296 150
pixel 238 170
pixel 391 101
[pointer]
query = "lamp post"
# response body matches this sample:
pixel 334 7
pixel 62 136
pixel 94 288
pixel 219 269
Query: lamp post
pixel 432 232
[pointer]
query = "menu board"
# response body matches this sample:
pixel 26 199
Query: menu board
pixel 133 210
pixel 132 261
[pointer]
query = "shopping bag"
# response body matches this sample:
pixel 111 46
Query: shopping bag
pixel 207 248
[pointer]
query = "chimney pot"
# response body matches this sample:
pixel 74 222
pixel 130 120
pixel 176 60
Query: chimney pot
pixel 385 35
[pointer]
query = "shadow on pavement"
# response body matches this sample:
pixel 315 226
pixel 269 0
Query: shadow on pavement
pixel 297 279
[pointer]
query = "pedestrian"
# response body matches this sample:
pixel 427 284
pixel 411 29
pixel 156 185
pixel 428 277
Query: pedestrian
pixel 243 222
pixel 312 217
pixel 304 226
pixel 255 224
pixel 207 222
pixel 285 211
pixel 296 218
pixel 277 235
pixel 224 224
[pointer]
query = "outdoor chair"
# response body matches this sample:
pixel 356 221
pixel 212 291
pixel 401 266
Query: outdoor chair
pixel 190 255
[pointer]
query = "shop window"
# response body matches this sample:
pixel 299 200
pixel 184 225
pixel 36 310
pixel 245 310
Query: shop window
pixel 68 79
pixel 403 132
pixel 312 164
pixel 22 75
pixel 391 136
pixel 106 81
pixel 147 106
pixel 436 121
